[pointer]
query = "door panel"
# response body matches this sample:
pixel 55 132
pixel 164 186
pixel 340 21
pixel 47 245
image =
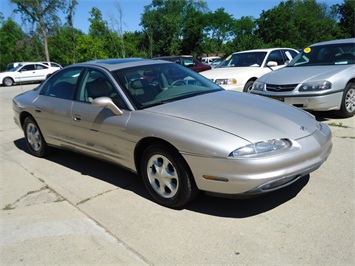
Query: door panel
pixel 54 119
pixel 101 133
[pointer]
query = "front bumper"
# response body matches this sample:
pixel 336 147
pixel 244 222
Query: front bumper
pixel 310 102
pixel 260 175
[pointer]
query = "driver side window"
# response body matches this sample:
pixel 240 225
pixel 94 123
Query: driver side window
pixel 96 84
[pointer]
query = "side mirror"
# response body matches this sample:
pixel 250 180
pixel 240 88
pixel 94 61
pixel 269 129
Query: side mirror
pixel 106 102
pixel 272 64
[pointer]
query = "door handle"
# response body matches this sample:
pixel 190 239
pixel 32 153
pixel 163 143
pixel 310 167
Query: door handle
pixel 76 118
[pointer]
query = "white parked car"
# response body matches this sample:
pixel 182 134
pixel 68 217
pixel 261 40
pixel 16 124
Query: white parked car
pixel 209 59
pixel 239 70
pixel 26 72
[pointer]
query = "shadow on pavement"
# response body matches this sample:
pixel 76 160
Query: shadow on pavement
pixel 205 204
pixel 243 208
pixel 325 116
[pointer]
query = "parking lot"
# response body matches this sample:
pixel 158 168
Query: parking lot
pixel 71 209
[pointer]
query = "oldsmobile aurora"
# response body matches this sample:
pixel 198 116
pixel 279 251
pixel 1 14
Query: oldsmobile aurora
pixel 178 130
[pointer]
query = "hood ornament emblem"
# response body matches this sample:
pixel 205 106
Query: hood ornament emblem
pixel 303 128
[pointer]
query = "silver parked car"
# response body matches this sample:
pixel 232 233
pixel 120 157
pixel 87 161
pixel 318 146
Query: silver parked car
pixel 321 78
pixel 180 131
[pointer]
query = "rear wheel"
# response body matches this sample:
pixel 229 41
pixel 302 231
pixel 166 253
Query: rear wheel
pixel 8 81
pixel 347 108
pixel 34 139
pixel 167 177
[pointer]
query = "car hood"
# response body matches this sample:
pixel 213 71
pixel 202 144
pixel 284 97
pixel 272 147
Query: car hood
pixel 295 75
pixel 229 72
pixel 253 118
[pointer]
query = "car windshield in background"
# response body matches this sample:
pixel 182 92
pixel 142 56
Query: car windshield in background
pixel 325 55
pixel 252 59
pixel 15 68
pixel 156 84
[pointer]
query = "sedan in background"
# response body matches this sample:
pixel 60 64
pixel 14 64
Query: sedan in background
pixel 187 61
pixel 239 70
pixel 178 130
pixel 321 78
pixel 26 72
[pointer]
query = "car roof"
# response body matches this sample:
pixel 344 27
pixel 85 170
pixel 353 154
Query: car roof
pixel 263 50
pixel 120 63
pixel 174 56
pixel 350 40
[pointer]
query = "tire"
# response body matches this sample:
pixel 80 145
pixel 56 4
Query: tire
pixel 167 177
pixel 347 107
pixel 34 138
pixel 8 81
pixel 248 86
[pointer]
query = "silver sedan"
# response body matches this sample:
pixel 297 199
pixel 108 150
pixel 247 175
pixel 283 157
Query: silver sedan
pixel 321 78
pixel 178 130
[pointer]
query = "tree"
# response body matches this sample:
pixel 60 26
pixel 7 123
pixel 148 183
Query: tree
pixel 297 23
pixel 71 11
pixel 218 30
pixel 105 40
pixel 42 13
pixel 164 24
pixel 11 38
pixel 347 17
pixel 117 26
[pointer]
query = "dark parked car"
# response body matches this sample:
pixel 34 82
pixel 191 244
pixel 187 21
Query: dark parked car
pixel 187 61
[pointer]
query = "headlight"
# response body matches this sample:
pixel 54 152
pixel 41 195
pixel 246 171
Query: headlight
pixel 230 81
pixel 258 86
pixel 262 147
pixel 315 86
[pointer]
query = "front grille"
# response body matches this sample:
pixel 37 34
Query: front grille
pixel 280 88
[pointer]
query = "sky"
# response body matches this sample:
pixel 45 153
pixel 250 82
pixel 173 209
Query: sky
pixel 133 9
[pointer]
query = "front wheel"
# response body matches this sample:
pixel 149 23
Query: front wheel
pixel 34 139
pixel 347 108
pixel 8 81
pixel 167 177
pixel 248 86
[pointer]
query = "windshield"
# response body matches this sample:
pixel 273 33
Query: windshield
pixel 15 68
pixel 325 55
pixel 249 59
pixel 155 84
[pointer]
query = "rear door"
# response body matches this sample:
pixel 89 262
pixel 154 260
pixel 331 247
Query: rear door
pixel 53 107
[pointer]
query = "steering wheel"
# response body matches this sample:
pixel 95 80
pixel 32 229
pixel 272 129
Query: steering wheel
pixel 178 82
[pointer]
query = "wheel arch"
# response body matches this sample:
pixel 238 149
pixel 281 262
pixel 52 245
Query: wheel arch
pixel 143 144
pixel 352 80
pixel 7 77
pixel 253 79
pixel 23 116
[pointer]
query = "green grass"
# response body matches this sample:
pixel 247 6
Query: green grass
pixel 332 124
pixel 8 207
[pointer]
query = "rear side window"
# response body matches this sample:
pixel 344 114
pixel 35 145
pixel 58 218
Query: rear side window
pixel 28 67
pixel 62 85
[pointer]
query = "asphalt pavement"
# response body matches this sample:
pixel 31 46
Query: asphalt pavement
pixel 68 209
